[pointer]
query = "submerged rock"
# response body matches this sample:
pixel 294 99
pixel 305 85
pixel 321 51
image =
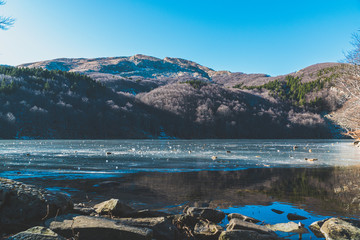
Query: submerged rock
pixel 26 205
pixel 113 207
pixel 210 214
pixel 338 229
pixel 37 233
pixel 277 211
pixel 243 217
pixel 94 228
pixel 294 217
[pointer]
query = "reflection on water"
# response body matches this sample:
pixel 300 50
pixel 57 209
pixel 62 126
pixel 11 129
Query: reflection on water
pixel 324 191
pixel 266 214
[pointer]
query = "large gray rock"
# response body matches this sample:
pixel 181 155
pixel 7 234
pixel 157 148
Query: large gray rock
pixel 341 229
pixel 288 227
pixel 22 204
pixel 316 226
pixel 207 230
pixel 37 233
pixel 206 213
pixel 94 228
pixel 146 213
pixel 113 207
pixel 246 235
pixel 237 224
pixel 163 228
pixel 242 217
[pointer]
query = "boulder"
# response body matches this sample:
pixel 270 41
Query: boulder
pixel 82 209
pixel 337 228
pixel 94 228
pixel 315 228
pixel 37 233
pixel 246 235
pixel 294 217
pixel 242 217
pixel 207 230
pixel 113 207
pixel 185 224
pixel 26 205
pixel 146 213
pixel 184 220
pixel 162 227
pixel 237 224
pixel 210 214
pixel 288 227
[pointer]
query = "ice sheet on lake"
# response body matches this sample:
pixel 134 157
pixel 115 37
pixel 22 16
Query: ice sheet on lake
pixel 128 156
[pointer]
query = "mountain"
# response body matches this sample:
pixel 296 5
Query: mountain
pixel 147 97
pixel 138 73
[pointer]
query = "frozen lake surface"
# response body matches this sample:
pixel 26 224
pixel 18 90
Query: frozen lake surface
pixel 99 158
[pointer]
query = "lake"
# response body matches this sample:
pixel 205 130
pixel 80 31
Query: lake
pixel 251 177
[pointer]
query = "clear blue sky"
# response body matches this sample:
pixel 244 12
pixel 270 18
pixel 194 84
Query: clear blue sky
pixel 257 36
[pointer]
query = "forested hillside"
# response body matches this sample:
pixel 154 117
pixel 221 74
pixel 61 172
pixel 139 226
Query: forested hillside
pixel 146 97
pixel 39 103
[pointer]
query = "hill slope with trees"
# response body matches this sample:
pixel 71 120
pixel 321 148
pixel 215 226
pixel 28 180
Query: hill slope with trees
pixel 147 97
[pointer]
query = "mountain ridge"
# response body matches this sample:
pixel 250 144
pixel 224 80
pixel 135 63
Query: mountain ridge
pixel 91 65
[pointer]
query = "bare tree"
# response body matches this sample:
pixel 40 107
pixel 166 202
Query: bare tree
pixel 5 22
pixel 348 82
pixel 353 56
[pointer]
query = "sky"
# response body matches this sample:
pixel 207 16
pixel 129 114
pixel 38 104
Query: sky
pixel 258 36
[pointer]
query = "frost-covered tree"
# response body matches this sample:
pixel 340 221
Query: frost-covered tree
pixel 5 22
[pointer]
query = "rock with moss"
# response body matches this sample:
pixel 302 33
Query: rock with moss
pixel 37 233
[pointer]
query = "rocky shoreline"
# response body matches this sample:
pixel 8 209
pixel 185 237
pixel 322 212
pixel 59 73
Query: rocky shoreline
pixel 29 212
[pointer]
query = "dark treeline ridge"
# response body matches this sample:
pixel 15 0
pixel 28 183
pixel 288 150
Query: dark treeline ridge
pixel 38 103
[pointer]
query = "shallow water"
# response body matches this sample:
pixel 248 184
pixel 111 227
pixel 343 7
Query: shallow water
pixel 248 176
